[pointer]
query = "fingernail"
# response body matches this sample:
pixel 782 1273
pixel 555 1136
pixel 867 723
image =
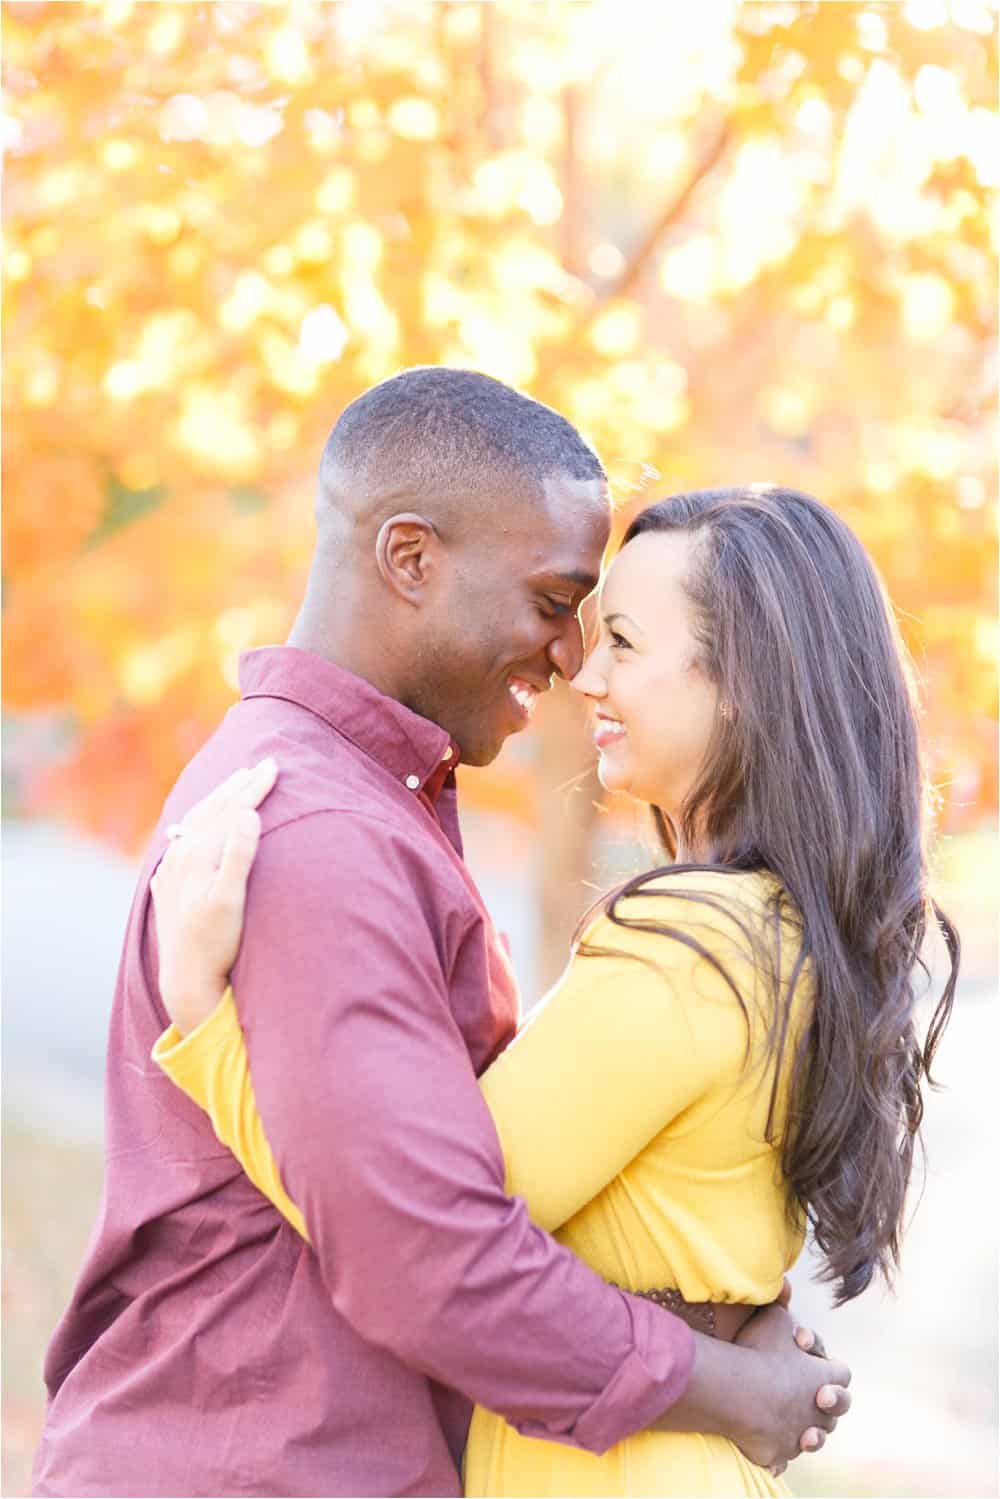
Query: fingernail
pixel 826 1398
pixel 265 766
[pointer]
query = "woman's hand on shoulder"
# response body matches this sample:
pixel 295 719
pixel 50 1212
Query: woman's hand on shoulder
pixel 199 894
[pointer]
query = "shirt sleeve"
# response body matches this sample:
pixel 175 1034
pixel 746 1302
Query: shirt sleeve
pixel 624 1045
pixel 380 1135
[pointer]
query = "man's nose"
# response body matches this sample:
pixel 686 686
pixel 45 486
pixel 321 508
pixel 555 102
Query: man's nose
pixel 566 651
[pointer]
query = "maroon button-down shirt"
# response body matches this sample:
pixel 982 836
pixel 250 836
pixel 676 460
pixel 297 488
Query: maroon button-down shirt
pixel 209 1350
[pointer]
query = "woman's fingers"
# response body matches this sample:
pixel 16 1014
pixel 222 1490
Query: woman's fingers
pixel 832 1402
pixel 212 855
pixel 202 833
pixel 812 1440
pixel 244 788
pixel 810 1342
pixel 251 793
pixel 238 854
pixel 193 861
pixel 834 1399
pixel 208 807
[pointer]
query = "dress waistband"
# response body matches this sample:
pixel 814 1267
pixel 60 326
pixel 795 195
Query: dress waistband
pixel 719 1319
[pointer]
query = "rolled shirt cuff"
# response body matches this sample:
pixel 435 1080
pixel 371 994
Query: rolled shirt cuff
pixel 652 1378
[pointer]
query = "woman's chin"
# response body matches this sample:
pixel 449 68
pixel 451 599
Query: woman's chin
pixel 611 776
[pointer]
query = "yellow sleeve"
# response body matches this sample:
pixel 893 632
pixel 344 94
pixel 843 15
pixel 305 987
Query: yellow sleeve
pixel 210 1065
pixel 619 1049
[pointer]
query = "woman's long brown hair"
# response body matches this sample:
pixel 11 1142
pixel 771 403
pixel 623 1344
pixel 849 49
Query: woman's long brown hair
pixel 815 775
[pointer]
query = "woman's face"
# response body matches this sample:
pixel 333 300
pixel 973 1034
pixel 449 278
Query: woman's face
pixel 653 707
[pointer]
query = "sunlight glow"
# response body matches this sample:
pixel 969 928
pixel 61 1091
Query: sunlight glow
pixel 213 428
pixel 413 118
pixel 246 301
pixel 928 305
pixel 288 56
pixel 324 335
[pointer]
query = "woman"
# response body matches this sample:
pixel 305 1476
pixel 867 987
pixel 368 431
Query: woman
pixel 731 1052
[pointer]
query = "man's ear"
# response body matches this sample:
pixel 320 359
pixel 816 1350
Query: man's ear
pixel 407 550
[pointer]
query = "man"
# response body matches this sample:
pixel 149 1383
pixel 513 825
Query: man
pixel 207 1349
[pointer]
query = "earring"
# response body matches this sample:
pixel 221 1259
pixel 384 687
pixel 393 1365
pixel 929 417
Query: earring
pixel 723 710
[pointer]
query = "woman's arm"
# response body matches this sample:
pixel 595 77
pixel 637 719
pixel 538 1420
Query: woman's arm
pixel 619 1049
pixel 210 1065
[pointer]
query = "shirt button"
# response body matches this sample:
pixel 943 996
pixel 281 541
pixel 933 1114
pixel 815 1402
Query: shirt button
pixel 413 782
pixel 447 754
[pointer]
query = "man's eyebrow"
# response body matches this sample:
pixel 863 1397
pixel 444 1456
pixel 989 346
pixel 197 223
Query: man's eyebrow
pixel 575 578
pixel 609 620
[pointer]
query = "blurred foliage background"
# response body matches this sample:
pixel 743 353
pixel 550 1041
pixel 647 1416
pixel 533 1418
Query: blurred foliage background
pixel 733 241
pixel 749 242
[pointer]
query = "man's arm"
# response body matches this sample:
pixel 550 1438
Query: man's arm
pixel 381 1137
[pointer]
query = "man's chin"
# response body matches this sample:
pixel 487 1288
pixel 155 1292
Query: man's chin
pixel 481 755
pixel 479 750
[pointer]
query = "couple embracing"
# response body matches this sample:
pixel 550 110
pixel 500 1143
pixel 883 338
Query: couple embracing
pixel 348 1205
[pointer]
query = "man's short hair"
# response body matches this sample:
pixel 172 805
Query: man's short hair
pixel 452 433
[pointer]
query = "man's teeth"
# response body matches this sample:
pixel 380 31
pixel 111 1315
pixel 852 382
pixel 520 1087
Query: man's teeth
pixel 524 696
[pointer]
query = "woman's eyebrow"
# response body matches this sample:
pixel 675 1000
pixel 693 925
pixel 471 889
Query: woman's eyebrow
pixel 609 620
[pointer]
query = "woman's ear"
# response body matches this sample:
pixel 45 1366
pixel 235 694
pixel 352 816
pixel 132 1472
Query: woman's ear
pixel 407 551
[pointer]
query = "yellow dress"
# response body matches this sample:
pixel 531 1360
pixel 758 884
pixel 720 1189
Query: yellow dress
pixel 632 1109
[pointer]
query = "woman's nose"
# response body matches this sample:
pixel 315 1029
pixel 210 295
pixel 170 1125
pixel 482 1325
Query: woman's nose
pixel 588 679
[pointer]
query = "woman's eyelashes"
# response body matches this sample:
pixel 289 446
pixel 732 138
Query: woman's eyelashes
pixel 618 642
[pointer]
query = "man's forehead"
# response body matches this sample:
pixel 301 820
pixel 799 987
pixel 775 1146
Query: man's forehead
pixel 570 528
pixel 561 486
pixel 567 500
pixel 556 538
pixel 565 552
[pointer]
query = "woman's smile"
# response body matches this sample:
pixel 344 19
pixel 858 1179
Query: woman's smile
pixel 608 730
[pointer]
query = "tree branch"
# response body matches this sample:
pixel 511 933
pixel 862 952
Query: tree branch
pixel 669 216
pixel 644 251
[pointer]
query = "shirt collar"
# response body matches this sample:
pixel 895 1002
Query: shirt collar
pixel 415 751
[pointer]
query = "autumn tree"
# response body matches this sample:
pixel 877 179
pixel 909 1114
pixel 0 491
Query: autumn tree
pixel 750 243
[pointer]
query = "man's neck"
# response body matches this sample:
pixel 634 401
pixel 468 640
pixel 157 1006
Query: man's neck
pixel 313 632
